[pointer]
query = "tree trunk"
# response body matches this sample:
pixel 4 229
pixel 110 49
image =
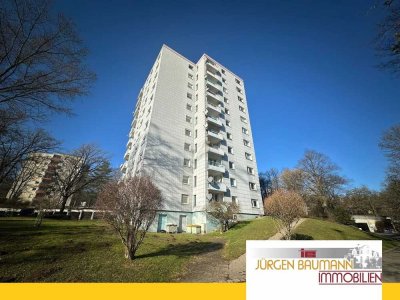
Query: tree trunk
pixel 63 202
pixel 130 253
pixel 39 218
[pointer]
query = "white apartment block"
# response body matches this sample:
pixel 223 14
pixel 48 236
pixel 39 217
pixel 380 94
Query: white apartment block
pixel 191 133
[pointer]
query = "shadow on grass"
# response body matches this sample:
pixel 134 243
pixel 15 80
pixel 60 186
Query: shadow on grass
pixel 182 250
pixel 239 225
pixel 299 236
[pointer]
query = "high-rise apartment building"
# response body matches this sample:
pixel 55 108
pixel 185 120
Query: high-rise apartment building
pixel 35 180
pixel 191 133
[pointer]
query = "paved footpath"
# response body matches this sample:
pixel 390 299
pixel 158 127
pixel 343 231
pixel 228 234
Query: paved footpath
pixel 212 267
pixel 391 265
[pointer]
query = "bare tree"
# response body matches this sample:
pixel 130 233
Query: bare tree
pixel 48 202
pixel 130 206
pixel 390 144
pixel 17 145
pixel 269 182
pixel 41 60
pixel 388 39
pixel 322 183
pixel 224 212
pixel 83 168
pixel 30 168
pixel 293 180
pixel 362 201
pixel 286 208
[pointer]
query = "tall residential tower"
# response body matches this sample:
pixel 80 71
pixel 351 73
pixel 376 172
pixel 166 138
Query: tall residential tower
pixel 191 133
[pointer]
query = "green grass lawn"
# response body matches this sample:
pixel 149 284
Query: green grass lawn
pixel 325 230
pixel 258 229
pixel 88 251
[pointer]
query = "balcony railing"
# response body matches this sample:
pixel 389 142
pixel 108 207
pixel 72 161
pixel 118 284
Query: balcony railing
pixel 215 134
pixel 214 120
pixel 216 167
pixel 214 85
pixel 216 108
pixel 216 150
pixel 217 186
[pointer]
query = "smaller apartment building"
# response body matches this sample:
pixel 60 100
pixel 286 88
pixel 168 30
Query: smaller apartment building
pixel 36 178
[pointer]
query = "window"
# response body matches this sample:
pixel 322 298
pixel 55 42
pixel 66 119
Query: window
pixel 240 99
pixel 230 150
pixel 233 182
pixel 248 156
pixel 239 90
pixel 188 132
pixel 243 119
pixel 190 86
pixel 229 136
pixel 188 107
pixel 227 111
pixel 245 130
pixel 226 100
pixel 185 199
pixel 190 67
pixel 237 81
pixel 187 147
pixel 186 162
pixel 189 95
pixel 195 121
pixel 197 108
pixel 195 148
pixel 195 164
pixel 190 76
pixel 197 97
pixel 223 80
pixel 194 200
pixel 195 133
pixel 228 123
pixel 250 170
pixel 195 181
pixel 197 87
pixel 185 180
pixel 241 108
pixel 188 119
pixel 225 90
pixel 254 203
pixel 223 71
pixel 234 199
pixel 231 165
pixel 246 143
pixel 252 186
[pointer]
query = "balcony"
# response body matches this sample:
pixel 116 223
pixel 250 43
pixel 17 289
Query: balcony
pixel 216 150
pixel 214 136
pixel 218 187
pixel 213 76
pixel 214 96
pixel 214 120
pixel 126 156
pixel 214 108
pixel 215 167
pixel 212 66
pixel 123 168
pixel 129 144
pixel 213 86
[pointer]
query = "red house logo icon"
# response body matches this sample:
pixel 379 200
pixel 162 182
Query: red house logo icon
pixel 308 253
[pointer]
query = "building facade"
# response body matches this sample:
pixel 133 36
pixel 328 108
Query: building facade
pixel 191 133
pixel 35 181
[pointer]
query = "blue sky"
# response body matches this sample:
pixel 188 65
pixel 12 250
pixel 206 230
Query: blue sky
pixel 309 68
